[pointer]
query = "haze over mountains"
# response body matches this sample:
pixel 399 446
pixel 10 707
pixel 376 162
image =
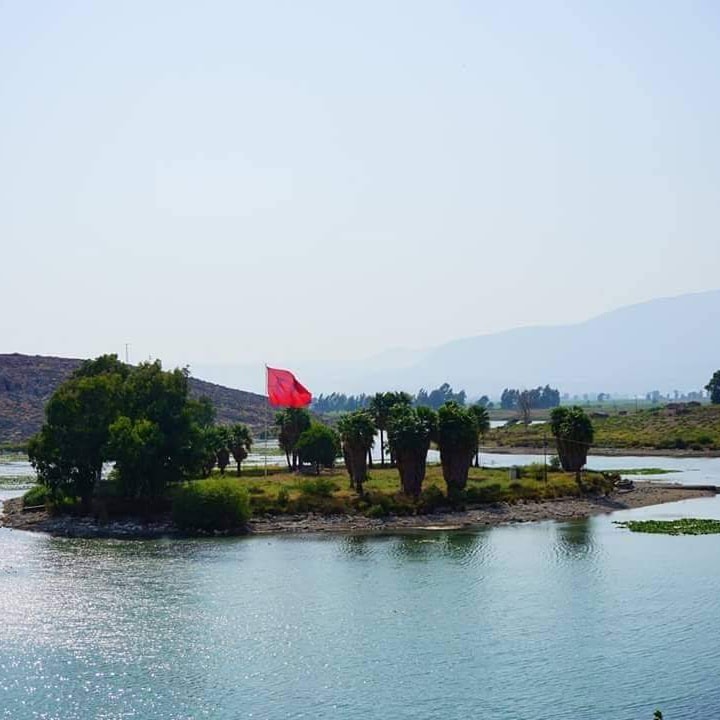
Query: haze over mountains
pixel 663 344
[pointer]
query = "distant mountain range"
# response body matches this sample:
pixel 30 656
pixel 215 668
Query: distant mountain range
pixel 28 381
pixel 664 344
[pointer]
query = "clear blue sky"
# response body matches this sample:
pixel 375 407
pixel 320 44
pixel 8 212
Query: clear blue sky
pixel 287 181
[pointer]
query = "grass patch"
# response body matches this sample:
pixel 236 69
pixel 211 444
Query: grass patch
pixel 674 427
pixel 686 526
pixel 330 493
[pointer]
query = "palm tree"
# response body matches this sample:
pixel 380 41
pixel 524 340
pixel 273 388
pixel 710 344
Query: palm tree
pixel 357 432
pixel 410 431
pixel 379 408
pixel 291 423
pixel 457 437
pixel 483 423
pixel 239 443
pixel 574 433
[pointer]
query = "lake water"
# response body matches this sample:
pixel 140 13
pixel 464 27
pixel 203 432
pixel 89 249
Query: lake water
pixel 543 621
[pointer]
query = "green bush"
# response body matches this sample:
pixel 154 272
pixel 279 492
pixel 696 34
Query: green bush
pixel 536 471
pixel 209 505
pixel 484 494
pixel 36 495
pixel 317 487
pixel 431 498
pixel 283 497
pixel 381 505
pixel 317 504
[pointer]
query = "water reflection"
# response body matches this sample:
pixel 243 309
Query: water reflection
pixel 425 546
pixel 574 540
pixel 358 546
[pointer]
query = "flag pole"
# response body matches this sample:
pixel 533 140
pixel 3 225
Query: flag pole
pixel 267 412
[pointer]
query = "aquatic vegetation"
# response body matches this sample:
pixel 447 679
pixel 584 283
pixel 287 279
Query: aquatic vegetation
pixel 685 526
pixel 644 471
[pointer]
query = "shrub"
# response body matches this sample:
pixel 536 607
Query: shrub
pixel 431 498
pixel 398 504
pixel 208 505
pixel 317 487
pixel 487 494
pixel 37 495
pixel 283 497
pixel 536 471
pixel 319 445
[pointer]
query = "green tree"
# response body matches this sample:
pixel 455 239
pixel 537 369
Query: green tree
pixel 713 387
pixel 141 418
pixel 410 431
pixel 240 442
pixel 574 434
pixel 69 451
pixel 457 437
pixel 136 446
pixel 291 423
pixel 357 432
pixel 319 445
pixel 216 439
pixel 157 414
pixel 379 407
pixel 483 424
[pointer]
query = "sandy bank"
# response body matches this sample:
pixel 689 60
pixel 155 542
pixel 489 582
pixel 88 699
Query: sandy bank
pixel 644 494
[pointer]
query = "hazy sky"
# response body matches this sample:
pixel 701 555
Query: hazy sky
pixel 220 182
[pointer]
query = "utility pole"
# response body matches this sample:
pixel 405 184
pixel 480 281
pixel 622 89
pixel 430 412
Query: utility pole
pixel 127 353
pixel 545 455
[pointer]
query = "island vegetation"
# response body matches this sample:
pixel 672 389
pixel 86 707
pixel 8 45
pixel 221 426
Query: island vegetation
pixel 120 440
pixel 167 455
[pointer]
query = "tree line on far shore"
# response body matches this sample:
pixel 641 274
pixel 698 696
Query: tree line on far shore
pixel 340 402
pixel 511 399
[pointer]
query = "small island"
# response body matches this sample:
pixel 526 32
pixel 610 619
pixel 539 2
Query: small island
pixel 172 475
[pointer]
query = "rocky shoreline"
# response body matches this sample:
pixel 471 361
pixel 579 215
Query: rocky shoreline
pixel 642 495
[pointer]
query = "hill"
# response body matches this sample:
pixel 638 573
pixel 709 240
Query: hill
pixel 665 344
pixel 28 381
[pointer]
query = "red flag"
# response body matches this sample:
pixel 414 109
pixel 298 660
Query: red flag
pixel 284 390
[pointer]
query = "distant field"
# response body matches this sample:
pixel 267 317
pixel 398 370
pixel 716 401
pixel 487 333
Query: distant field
pixel 658 428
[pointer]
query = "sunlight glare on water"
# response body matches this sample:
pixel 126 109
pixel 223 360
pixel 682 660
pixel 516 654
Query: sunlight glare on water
pixel 545 620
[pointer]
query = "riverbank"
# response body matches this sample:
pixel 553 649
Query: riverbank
pixel 684 427
pixel 570 508
pixel 601 451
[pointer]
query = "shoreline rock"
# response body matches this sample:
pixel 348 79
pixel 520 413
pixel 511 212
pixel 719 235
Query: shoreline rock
pixel 644 494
